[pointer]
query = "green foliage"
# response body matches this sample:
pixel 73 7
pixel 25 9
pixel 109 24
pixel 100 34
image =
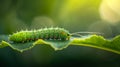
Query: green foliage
pixel 95 41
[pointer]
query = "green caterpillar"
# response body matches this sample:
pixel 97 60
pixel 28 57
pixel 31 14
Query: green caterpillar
pixel 45 34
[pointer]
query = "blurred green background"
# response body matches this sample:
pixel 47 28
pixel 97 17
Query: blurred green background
pixel 73 15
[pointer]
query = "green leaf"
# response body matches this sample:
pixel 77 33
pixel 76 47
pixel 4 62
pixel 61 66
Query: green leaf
pixel 99 42
pixel 2 39
pixel 56 44
pixel 3 44
pixel 94 41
